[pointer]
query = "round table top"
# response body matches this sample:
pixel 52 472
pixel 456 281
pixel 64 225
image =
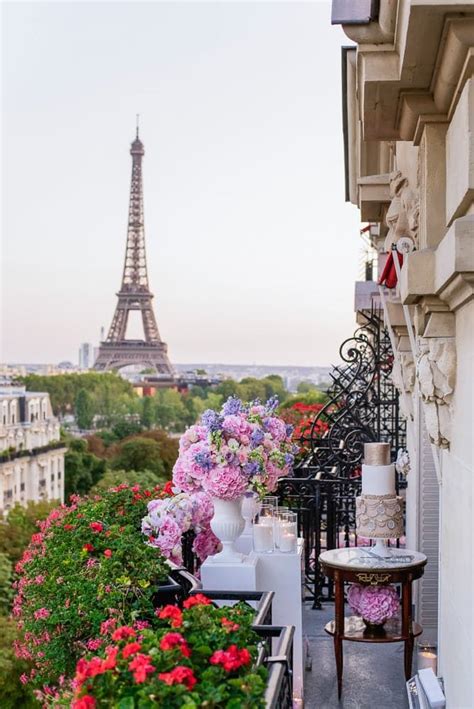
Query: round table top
pixel 365 558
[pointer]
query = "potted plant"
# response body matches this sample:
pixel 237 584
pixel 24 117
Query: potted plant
pixel 241 448
pixel 196 656
pixel 87 567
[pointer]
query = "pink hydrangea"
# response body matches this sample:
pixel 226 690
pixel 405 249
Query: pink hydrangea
pixel 206 544
pixel 236 425
pixel 276 427
pixel 226 482
pixel 375 604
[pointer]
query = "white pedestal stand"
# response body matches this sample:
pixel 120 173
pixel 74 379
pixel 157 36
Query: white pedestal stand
pixel 283 574
pixel 278 572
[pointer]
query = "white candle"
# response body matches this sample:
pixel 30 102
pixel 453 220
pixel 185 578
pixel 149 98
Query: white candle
pixel 280 528
pixel 263 537
pixel 287 542
pixel 427 659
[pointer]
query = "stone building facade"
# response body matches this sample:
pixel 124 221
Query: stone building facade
pixel 408 88
pixel 31 454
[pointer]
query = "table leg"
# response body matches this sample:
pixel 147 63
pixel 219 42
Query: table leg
pixel 339 629
pixel 407 629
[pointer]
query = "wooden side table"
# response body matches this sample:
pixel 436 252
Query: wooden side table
pixel 360 565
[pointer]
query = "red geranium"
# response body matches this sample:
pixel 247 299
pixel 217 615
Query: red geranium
pixel 131 649
pixel 180 675
pixel 85 702
pixel 229 625
pixel 124 632
pixel 173 613
pixel 231 659
pixel 198 600
pixel 172 640
pixel 96 526
pixel 141 667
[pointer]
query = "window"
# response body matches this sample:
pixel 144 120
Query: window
pixel 22 487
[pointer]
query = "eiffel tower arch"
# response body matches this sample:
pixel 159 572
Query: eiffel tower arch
pixel 117 351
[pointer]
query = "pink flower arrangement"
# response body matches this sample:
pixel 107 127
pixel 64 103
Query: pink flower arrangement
pixel 237 449
pixel 169 518
pixel 375 604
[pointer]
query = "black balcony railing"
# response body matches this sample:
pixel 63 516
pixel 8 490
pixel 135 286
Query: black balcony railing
pixel 363 406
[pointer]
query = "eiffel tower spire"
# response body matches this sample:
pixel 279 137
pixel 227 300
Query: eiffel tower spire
pixel 134 294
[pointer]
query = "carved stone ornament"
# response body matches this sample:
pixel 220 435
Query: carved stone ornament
pixel 403 213
pixel 436 373
pixel 403 377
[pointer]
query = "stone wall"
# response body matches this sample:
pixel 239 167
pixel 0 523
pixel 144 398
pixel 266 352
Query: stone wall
pixel 410 96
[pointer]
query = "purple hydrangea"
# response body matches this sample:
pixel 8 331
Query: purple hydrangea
pixel 271 405
pixel 211 420
pixel 257 437
pixel 232 406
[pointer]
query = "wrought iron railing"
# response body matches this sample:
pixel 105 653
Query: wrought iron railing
pixel 362 406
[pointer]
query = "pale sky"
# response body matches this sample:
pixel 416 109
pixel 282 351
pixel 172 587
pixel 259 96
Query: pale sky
pixel 252 251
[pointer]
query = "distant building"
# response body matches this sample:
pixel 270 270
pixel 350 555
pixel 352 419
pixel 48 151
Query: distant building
pixel 86 356
pixel 31 454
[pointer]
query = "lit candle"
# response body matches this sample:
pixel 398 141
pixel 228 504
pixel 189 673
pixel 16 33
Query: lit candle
pixel 427 658
pixel 263 537
pixel 287 542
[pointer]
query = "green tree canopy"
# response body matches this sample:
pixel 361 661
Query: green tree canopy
pixel 148 412
pixel 113 478
pixel 82 469
pixel 84 408
pixel 109 391
pixel 16 529
pixel 139 453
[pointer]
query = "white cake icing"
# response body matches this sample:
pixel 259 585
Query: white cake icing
pixel 378 479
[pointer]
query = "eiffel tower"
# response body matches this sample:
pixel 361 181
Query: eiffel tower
pixel 117 351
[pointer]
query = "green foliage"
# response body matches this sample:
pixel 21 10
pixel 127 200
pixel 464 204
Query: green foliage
pixel 13 694
pixel 123 428
pixel 148 415
pixel 84 409
pixel 139 454
pixel 82 470
pixel 200 669
pixel 113 478
pixel 88 564
pixel 108 391
pixel 170 411
pixel 16 529
pixel 314 396
pixel 6 591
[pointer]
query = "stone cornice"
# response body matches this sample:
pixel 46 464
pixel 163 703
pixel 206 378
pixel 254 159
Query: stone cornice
pixel 404 85
pixel 373 194
pixel 444 275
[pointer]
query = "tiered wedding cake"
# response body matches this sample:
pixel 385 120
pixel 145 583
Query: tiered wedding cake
pixel 379 512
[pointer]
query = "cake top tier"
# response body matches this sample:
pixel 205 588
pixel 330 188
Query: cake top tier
pixel 377 453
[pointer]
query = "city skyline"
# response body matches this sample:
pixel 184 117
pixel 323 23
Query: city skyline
pixel 238 260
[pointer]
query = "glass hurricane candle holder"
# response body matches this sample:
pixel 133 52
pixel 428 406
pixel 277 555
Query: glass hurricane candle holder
pixel 271 501
pixel 288 534
pixel 278 518
pixel 263 530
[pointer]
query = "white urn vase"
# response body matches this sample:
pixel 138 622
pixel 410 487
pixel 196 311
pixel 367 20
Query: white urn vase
pixel 227 524
pixel 250 507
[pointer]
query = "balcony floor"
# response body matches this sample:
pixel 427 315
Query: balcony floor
pixel 373 673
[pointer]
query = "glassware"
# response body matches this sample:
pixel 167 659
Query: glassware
pixel 271 501
pixel 263 530
pixel 280 512
pixel 288 534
